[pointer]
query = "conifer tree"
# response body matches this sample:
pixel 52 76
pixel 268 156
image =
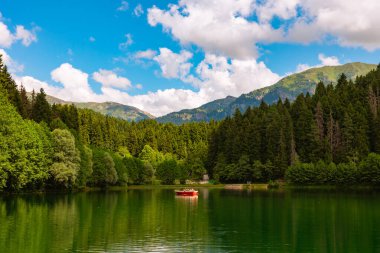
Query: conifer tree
pixel 41 108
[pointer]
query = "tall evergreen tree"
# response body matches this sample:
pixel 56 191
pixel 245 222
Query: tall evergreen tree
pixel 41 108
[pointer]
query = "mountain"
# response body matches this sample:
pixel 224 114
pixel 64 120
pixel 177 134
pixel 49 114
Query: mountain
pixel 288 87
pixel 117 110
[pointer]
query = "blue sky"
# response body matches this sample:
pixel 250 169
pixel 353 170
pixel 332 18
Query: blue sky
pixel 163 56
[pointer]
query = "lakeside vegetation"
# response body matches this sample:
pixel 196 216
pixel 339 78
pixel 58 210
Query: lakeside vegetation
pixel 332 137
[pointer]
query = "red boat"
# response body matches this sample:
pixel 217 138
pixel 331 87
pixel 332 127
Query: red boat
pixel 186 192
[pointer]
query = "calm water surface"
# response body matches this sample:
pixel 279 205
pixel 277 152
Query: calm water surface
pixel 216 221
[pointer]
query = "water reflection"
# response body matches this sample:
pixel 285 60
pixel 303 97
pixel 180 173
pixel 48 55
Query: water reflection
pixel 191 200
pixel 216 221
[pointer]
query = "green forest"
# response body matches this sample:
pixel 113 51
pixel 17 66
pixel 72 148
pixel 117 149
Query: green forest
pixel 331 137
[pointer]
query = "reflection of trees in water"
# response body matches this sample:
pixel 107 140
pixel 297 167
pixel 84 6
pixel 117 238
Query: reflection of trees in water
pixel 295 221
pixel 97 221
pixel 225 220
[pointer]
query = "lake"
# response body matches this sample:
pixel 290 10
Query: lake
pixel 154 220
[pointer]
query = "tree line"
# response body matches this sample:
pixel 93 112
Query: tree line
pixel 330 137
pixel 47 146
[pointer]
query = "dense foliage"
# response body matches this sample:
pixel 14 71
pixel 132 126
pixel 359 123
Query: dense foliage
pixel 60 146
pixel 324 138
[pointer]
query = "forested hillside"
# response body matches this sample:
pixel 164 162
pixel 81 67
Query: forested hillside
pixel 113 109
pixel 324 138
pixel 61 146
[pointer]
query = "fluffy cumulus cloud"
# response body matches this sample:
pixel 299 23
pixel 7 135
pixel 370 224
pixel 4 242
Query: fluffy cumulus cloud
pixel 349 22
pixel 26 36
pixel 233 28
pixel 216 26
pixel 216 77
pixel 159 102
pixel 220 77
pixel 174 65
pixel 74 87
pixel 328 60
pixel 109 78
pixel 7 38
pixel 75 84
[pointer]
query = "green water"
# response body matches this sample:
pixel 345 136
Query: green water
pixel 216 221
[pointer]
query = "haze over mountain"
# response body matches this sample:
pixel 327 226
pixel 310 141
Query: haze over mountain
pixel 288 87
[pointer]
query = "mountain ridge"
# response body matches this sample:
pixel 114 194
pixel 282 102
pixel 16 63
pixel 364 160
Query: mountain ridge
pixel 117 110
pixel 288 87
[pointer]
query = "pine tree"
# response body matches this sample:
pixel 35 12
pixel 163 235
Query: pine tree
pixel 41 109
pixel 26 108
pixel 10 87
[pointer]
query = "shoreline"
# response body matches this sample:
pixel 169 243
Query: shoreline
pixel 249 187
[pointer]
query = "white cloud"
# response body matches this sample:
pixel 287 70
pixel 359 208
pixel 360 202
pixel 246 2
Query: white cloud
pixel 138 11
pixel 75 84
pixel 147 54
pixel 109 78
pixel 220 78
pixel 284 9
pixel 27 37
pixel 75 88
pixel 92 39
pixel 216 78
pixel 6 37
pixel 31 83
pixel 324 61
pixel 12 65
pixel 234 28
pixel 157 103
pixel 216 26
pixel 127 43
pixel 139 86
pixel 123 6
pixel 350 22
pixel 174 65
pixel 328 60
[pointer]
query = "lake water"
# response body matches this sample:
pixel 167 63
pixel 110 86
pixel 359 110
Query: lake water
pixel 217 221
